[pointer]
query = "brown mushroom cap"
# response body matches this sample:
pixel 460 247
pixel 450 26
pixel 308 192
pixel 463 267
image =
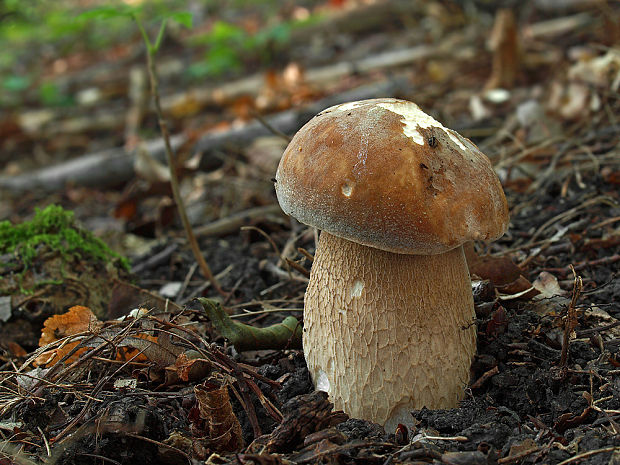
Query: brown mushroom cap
pixel 384 174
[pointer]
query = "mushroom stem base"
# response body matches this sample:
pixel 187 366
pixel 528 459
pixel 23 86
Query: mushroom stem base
pixel 386 333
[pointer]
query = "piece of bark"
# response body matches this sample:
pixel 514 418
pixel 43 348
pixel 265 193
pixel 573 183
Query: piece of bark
pixel 303 415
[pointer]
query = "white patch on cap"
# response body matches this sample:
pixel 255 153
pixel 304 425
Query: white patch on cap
pixel 322 382
pixel 414 118
pixel 347 189
pixel 348 106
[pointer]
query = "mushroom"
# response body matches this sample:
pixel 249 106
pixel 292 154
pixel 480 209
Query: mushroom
pixel 388 313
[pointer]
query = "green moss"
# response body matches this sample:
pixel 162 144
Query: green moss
pixel 55 228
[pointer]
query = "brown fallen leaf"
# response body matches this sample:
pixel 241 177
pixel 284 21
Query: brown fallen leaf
pixel 503 273
pixel 16 350
pixel 138 347
pixel 214 405
pixel 189 366
pixel 77 320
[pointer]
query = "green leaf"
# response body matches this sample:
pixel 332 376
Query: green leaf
pixel 226 32
pixel 222 60
pixel 16 83
pixel 51 95
pixel 107 12
pixel 184 18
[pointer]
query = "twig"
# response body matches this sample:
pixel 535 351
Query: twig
pixel 156 259
pixel 100 457
pixel 598 329
pixel 486 375
pixel 571 318
pixel 265 235
pixel 590 453
pixel 447 438
pixel 599 261
pixel 186 281
pixel 159 444
pixel 305 253
pixel 267 310
pixel 174 181
pixel 268 125
pixel 605 222
pixel 280 273
pixel 271 409
pixel 519 456
pixel 568 214
pixel 231 223
pixel 298 267
pixel 45 441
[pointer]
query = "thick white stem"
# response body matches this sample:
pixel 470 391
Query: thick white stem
pixel 385 333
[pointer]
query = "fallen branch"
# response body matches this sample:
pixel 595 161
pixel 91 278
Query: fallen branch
pixel 570 322
pixel 115 166
pixel 100 169
pixel 232 223
pixel 152 50
pixel 590 453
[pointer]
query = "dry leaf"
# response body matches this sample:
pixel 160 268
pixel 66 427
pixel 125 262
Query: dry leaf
pixel 191 367
pixel 16 350
pixel 602 71
pixel 501 271
pixel 547 285
pixel 523 446
pixel 215 408
pixel 142 347
pixel 77 320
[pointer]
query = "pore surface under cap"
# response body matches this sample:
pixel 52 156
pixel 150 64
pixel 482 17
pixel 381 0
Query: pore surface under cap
pixel 384 174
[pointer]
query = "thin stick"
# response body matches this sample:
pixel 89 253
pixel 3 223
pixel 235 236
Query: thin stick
pixel 298 267
pixel 45 441
pixel 270 127
pixel 486 375
pixel 590 453
pixel 571 318
pixel 305 253
pixel 265 311
pixel 519 456
pixel 174 180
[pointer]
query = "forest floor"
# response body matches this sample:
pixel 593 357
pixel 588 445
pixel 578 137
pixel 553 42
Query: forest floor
pixel 535 87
